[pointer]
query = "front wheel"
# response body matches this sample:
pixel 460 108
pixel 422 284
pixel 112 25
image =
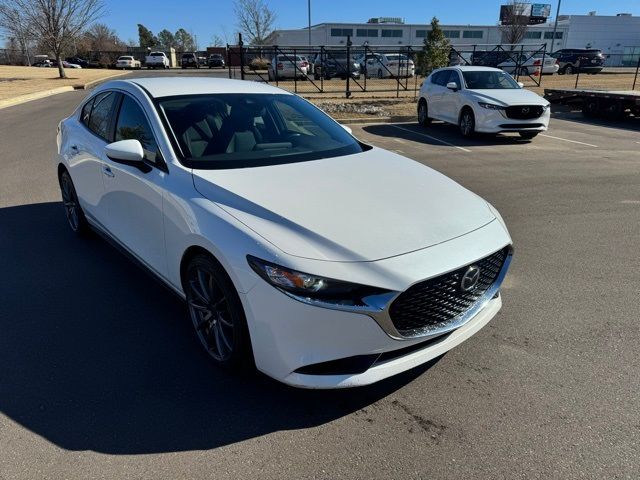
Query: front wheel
pixel 72 209
pixel 569 70
pixel 467 123
pixel 216 312
pixel 528 135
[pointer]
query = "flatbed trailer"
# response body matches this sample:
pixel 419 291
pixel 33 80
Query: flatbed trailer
pixel 608 103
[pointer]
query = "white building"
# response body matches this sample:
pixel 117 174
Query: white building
pixel 614 35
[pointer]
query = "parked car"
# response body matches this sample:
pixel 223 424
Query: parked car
pixel 571 60
pixel 78 61
pixel 41 61
pixel 157 60
pixel 127 61
pixel 202 61
pixel 189 60
pixel 54 63
pixel 241 198
pixel 530 65
pixel 491 58
pixel 482 99
pixel 387 65
pixel 283 66
pixel 216 60
pixel 335 64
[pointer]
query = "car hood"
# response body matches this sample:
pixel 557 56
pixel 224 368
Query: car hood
pixel 515 96
pixel 360 207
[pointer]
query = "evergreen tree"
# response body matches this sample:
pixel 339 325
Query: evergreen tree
pixel 435 51
pixel 147 38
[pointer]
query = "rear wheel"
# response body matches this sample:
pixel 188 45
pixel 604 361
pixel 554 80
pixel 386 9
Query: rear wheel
pixel 423 113
pixel 569 70
pixel 528 135
pixel 467 123
pixel 380 74
pixel 72 209
pixel 524 71
pixel 590 107
pixel 216 312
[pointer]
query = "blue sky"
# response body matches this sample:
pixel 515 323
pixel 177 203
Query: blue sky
pixel 205 18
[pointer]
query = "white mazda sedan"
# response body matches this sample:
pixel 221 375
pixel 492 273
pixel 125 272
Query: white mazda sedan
pixel 324 261
pixel 482 99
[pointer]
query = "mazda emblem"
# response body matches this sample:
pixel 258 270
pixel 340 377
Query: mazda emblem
pixel 525 110
pixel 470 278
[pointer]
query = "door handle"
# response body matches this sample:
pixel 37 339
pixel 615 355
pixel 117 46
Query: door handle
pixel 107 171
pixel 74 148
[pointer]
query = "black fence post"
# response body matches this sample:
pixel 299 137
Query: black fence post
pixel 635 79
pixel 321 75
pixel 241 45
pixel 578 72
pixel 229 60
pixel 348 74
pixel 544 53
pixel 295 72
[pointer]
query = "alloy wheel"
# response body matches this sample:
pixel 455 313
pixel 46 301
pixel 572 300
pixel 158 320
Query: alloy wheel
pixel 210 313
pixel 466 124
pixel 70 202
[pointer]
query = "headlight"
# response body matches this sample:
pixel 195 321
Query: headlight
pixel 305 286
pixel 490 106
pixel 546 107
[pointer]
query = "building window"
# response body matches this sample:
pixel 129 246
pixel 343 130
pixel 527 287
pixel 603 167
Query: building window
pixel 472 34
pixel 533 35
pixel 421 33
pixel 341 32
pixel 451 33
pixel 549 35
pixel 367 32
pixel 391 33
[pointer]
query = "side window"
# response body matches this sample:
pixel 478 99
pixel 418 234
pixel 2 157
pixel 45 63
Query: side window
pixel 100 114
pixel 132 124
pixel 435 78
pixel 454 77
pixel 86 112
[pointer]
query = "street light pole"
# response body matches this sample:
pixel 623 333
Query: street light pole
pixel 555 28
pixel 309 19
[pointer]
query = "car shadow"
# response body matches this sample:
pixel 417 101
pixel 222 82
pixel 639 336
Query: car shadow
pixel 441 131
pixel 97 355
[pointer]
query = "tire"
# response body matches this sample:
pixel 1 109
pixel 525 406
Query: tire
pixel 590 108
pixel 216 313
pixel 423 113
pixel 569 70
pixel 316 76
pixel 467 123
pixel 524 71
pixel 73 211
pixel 528 135
pixel 380 74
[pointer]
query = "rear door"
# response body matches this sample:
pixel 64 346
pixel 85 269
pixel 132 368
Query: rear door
pixel 85 153
pixel 450 103
pixel 437 90
pixel 134 197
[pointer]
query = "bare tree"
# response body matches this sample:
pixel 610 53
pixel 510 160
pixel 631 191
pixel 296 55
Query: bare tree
pixel 515 22
pixel 16 27
pixel 59 23
pixel 216 41
pixel 255 20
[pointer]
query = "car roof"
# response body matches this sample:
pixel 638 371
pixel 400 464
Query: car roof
pixel 159 87
pixel 474 68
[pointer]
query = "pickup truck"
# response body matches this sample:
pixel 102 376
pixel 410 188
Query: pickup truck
pixel 156 60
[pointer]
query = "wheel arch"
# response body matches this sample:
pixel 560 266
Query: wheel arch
pixel 464 108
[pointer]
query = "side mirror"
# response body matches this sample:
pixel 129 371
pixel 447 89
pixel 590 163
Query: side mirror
pixel 348 129
pixel 127 152
pixel 452 86
pixel 521 85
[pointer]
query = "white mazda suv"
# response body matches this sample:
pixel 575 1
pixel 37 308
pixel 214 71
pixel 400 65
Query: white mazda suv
pixel 324 261
pixel 482 99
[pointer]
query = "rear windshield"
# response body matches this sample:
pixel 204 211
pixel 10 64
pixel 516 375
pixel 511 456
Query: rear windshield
pixel 489 80
pixel 125 58
pixel 187 55
pixel 247 130
pixel 156 54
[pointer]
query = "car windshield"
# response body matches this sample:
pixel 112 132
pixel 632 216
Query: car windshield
pixel 393 57
pixel 219 131
pixel 489 80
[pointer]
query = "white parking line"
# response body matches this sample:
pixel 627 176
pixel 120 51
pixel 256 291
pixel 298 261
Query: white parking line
pixel 432 138
pixel 567 140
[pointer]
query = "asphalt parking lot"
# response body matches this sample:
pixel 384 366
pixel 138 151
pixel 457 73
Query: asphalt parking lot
pixel 101 376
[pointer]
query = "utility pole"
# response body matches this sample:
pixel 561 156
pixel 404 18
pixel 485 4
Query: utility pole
pixel 309 19
pixel 555 28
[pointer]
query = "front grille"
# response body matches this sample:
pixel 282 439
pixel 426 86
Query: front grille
pixel 431 304
pixel 524 112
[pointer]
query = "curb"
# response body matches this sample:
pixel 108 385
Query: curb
pixel 10 102
pixel 372 119
pixel 34 96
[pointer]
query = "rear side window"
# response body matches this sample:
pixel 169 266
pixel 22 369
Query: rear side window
pixel 132 124
pixel 86 112
pixel 101 114
pixel 454 77
pixel 441 78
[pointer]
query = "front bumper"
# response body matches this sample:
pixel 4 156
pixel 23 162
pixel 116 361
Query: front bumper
pixel 288 335
pixel 496 121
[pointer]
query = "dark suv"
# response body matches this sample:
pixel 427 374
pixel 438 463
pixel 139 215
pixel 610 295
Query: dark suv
pixel 189 60
pixel 215 61
pixel 491 58
pixel 573 59
pixel 330 65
